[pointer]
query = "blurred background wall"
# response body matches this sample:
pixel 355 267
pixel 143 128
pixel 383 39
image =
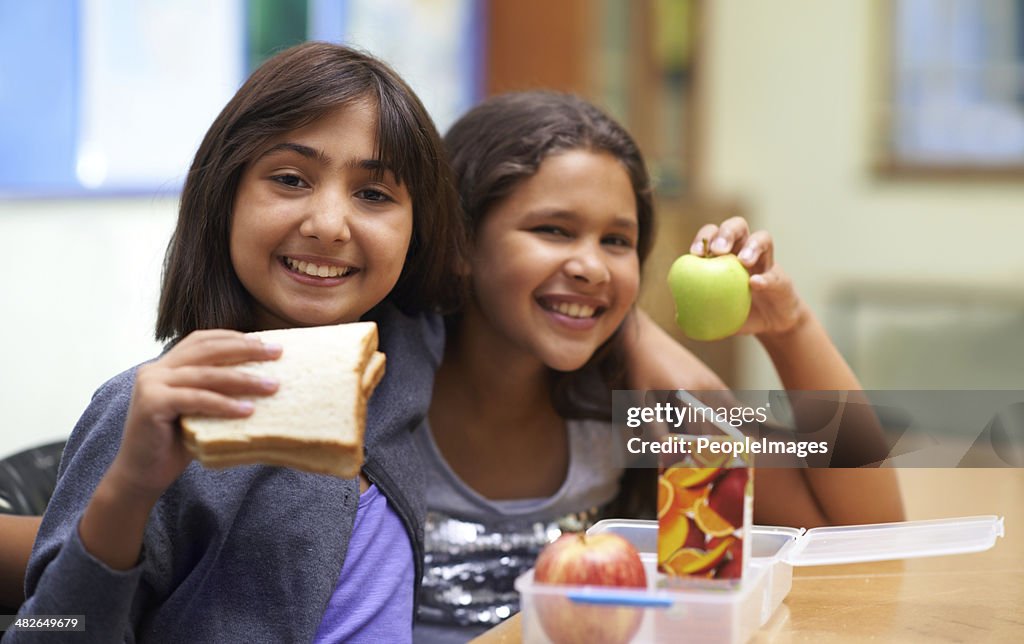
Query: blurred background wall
pixel 783 112
pixel 918 275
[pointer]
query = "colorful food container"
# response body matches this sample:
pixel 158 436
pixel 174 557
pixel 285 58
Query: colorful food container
pixel 705 513
pixel 699 615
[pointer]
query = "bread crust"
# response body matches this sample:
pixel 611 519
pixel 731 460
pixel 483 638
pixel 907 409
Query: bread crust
pixel 316 421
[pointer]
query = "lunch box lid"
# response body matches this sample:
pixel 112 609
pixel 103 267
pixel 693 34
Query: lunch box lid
pixel 843 544
pixel 900 540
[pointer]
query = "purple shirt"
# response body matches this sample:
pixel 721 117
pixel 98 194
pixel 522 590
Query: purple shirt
pixel 373 599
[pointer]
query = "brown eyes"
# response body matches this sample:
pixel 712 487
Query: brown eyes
pixel 376 196
pixel 289 180
pixel 371 195
pixel 618 241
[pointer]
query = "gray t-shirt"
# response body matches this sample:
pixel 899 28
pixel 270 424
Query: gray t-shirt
pixel 476 547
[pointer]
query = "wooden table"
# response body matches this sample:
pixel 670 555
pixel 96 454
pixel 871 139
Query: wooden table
pixel 962 598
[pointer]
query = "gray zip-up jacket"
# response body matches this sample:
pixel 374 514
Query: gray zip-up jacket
pixel 248 554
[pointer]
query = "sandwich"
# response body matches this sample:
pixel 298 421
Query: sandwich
pixel 316 420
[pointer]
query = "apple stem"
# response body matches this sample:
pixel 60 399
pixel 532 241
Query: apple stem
pixel 707 247
pixel 583 537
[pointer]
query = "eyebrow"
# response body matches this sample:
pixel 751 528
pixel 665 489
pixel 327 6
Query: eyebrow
pixel 304 150
pixel 373 165
pixel 566 215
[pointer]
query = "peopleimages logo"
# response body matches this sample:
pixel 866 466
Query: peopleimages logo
pixel 704 446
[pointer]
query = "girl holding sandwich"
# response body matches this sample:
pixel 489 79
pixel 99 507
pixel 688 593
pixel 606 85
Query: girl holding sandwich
pixel 323 158
pixel 519 442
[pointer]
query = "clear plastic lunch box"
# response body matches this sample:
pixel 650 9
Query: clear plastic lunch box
pixel 669 615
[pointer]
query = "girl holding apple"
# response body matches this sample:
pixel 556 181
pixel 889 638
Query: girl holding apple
pixel 519 443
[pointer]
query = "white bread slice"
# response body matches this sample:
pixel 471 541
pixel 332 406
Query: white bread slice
pixel 373 373
pixel 316 419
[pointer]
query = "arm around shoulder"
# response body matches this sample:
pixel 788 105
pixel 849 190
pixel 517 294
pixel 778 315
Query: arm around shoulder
pixel 657 361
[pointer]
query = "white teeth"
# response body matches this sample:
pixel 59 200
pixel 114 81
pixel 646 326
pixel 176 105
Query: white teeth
pixel 315 270
pixel 574 310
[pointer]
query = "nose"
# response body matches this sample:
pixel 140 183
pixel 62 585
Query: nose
pixel 587 265
pixel 328 219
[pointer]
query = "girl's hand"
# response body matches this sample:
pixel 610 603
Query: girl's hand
pixel 192 378
pixel 775 306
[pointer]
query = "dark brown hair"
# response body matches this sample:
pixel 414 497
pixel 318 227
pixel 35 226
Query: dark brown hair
pixel 502 142
pixel 294 88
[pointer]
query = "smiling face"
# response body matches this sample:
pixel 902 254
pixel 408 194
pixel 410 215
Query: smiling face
pixel 554 264
pixel 316 238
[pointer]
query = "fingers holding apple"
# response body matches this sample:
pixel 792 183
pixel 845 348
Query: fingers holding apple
pixel 753 250
pixel 775 306
pixel 711 301
pixel 757 254
pixel 722 239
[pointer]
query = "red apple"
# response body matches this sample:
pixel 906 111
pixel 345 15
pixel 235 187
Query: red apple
pixel 582 560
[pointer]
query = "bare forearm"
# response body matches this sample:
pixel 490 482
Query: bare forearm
pixel 19 533
pixel 806 359
pixel 811 498
pixel 656 361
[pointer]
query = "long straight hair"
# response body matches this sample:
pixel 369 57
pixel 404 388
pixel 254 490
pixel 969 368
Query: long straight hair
pixel 294 88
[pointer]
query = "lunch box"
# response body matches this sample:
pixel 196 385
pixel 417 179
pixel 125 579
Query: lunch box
pixel 671 615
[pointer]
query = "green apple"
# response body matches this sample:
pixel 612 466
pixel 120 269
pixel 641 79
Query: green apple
pixel 712 295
